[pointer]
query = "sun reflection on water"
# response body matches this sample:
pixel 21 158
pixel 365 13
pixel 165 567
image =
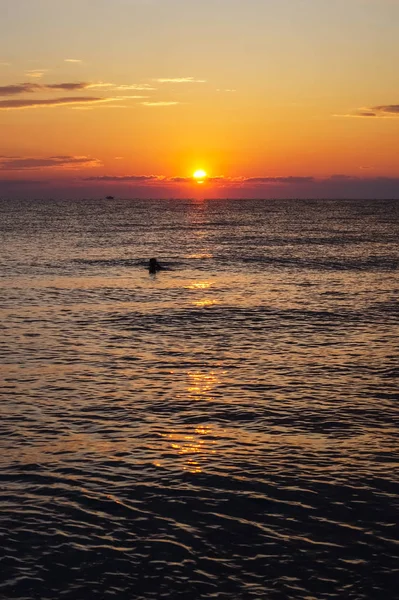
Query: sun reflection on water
pixel 199 285
pixel 200 255
pixel 195 447
pixel 205 302
pixel 201 384
pixel 195 444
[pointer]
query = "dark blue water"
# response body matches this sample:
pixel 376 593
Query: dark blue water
pixel 227 428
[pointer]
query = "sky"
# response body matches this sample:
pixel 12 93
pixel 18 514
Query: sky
pixel 272 98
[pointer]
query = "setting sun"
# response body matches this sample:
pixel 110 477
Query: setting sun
pixel 199 175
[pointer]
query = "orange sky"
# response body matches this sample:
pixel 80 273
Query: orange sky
pixel 300 95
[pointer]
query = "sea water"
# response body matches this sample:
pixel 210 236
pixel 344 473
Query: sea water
pixel 226 428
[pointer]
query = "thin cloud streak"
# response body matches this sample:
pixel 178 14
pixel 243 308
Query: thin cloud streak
pixel 131 97
pixel 29 88
pixel 134 86
pixel 180 80
pixel 356 115
pixel 267 180
pixel 36 73
pixel 98 106
pixel 138 87
pixel 26 104
pixel 99 84
pixel 160 103
pixel 387 108
pixel 28 163
pixel 125 178
pixel 381 111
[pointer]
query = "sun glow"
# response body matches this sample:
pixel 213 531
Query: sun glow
pixel 200 175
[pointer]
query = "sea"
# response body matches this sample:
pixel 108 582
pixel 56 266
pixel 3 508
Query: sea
pixel 224 429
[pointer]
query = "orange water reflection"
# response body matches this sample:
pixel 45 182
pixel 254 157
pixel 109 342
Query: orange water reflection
pixel 200 255
pixel 199 285
pixel 202 384
pixel 195 444
pixel 194 447
pixel 205 302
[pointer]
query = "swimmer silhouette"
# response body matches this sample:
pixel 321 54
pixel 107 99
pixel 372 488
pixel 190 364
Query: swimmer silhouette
pixel 153 266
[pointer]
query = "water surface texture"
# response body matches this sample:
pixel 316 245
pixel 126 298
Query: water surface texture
pixel 227 428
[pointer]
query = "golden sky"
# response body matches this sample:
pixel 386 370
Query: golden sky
pixel 130 97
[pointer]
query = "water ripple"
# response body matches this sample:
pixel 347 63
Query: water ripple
pixel 226 429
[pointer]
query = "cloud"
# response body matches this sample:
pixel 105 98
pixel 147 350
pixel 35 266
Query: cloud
pixel 24 104
pixel 138 87
pixel 63 162
pixel 13 182
pixel 34 87
pixel 387 108
pixel 99 84
pixel 24 88
pixel 21 88
pixel 178 179
pixel 133 86
pixel 131 97
pixel 365 113
pixel 325 187
pixel 98 105
pixel 180 80
pixel 140 179
pixel 217 179
pixel 141 185
pixel 125 178
pixel 72 60
pixel 29 87
pixel 289 179
pixel 382 111
pixel 69 86
pixel 356 115
pixel 90 107
pixel 160 103
pixel 36 73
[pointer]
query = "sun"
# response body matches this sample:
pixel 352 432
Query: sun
pixel 200 175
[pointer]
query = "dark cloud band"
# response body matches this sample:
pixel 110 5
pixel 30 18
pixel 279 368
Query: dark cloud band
pixel 27 163
pixel 29 88
pixel 19 104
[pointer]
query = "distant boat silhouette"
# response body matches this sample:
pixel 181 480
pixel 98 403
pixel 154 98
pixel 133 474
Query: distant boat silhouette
pixel 110 197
